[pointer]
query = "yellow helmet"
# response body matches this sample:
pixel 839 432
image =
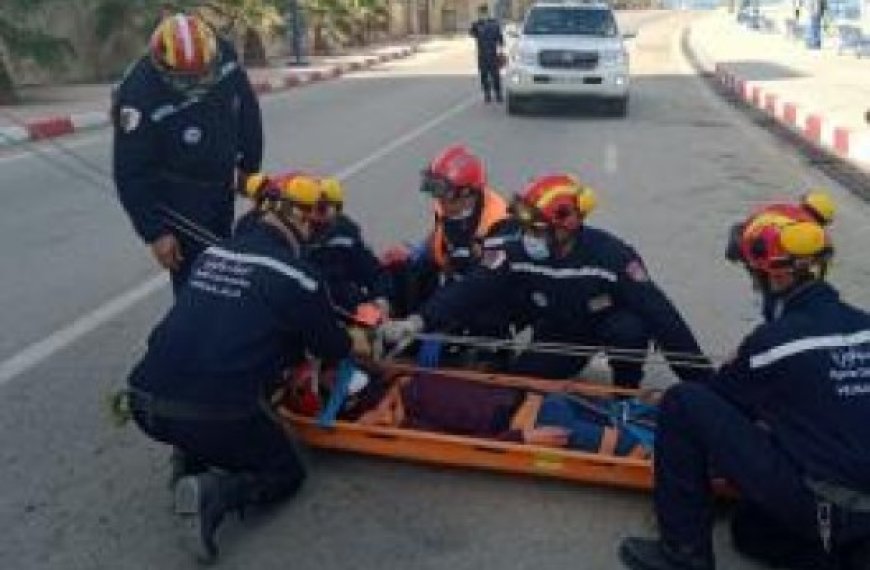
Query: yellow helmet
pixel 302 190
pixel 333 192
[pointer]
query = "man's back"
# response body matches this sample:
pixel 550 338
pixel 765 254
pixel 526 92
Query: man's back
pixel 251 309
pixel 807 376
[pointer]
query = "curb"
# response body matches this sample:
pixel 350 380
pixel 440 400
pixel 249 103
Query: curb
pixel 810 125
pixel 56 126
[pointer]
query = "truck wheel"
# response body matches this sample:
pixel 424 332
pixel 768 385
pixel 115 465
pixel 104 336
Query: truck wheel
pixel 618 107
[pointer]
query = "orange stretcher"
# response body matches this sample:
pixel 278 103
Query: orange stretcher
pixel 460 451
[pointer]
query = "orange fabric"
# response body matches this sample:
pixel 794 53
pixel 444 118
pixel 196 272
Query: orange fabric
pixel 524 418
pixel 609 439
pixel 638 452
pixel 494 210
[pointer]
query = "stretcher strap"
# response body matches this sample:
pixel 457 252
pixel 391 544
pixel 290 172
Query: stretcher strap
pixel 430 354
pixel 609 441
pixel 338 396
pixel 527 414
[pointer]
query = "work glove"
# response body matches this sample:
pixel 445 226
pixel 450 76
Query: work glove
pixel 383 306
pixel 402 330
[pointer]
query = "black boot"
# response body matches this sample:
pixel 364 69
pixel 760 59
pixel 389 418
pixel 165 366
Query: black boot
pixel 651 554
pixel 203 500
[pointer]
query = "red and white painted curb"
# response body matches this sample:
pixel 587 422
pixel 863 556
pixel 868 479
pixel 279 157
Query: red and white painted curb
pixel 811 125
pixel 34 130
pixel 300 78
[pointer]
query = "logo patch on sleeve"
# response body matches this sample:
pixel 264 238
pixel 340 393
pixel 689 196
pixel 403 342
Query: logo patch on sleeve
pixel 129 119
pixel 493 258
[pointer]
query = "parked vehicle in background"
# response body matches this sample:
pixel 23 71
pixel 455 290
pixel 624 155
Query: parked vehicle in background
pixel 569 49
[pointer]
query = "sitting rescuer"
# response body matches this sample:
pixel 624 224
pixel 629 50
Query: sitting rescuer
pixel 468 217
pixel 252 308
pixel 785 422
pixel 351 271
pixel 578 284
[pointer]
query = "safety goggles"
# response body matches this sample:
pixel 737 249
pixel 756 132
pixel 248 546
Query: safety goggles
pixel 528 218
pixel 190 84
pixel 439 188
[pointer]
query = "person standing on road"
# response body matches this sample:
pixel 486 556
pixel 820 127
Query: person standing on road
pixel 252 309
pixel 785 421
pixel 486 32
pixel 570 282
pixel 186 122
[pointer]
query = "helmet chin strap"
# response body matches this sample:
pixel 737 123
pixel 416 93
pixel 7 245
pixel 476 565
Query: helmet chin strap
pixel 280 218
pixel 773 300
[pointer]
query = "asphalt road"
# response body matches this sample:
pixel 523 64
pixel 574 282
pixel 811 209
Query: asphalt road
pixel 79 295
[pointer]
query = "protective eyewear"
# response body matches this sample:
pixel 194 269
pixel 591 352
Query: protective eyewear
pixel 733 251
pixel 190 84
pixel 438 188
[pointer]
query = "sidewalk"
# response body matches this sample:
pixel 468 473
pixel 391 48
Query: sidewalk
pixel 819 94
pixel 57 110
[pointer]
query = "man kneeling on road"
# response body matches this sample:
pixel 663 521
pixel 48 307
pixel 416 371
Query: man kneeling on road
pixel 785 422
pixel 252 309
pixel 575 284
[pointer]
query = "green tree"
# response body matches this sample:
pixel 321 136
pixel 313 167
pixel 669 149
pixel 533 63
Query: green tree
pixel 21 42
pixel 247 22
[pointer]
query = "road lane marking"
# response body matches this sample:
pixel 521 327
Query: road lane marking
pixel 33 149
pixel 611 158
pixel 41 350
pixel 61 338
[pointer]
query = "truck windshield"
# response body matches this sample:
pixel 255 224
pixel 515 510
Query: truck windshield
pixel 558 21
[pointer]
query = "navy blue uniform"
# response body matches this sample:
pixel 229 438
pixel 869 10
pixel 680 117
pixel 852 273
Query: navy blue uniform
pixel 792 406
pixel 178 153
pixel 599 294
pixel 487 34
pixel 352 272
pixel 251 309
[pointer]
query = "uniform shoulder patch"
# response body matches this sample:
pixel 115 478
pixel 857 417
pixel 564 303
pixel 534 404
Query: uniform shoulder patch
pixel 493 258
pixel 129 119
pixel 636 271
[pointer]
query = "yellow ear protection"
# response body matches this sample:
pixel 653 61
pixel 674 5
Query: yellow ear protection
pixel 586 200
pixel 820 205
pixel 803 239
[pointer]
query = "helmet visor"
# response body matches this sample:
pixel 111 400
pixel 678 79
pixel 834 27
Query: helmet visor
pixel 438 187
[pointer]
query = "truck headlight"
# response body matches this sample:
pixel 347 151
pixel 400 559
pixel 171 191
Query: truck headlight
pixel 614 57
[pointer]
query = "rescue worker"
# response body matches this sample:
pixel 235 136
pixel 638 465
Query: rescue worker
pixel 785 421
pixel 575 284
pixel 486 32
pixel 468 217
pixel 352 272
pixel 186 120
pixel 251 309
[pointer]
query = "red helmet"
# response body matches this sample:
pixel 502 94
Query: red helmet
pixel 454 169
pixel 555 200
pixel 780 238
pixel 184 48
